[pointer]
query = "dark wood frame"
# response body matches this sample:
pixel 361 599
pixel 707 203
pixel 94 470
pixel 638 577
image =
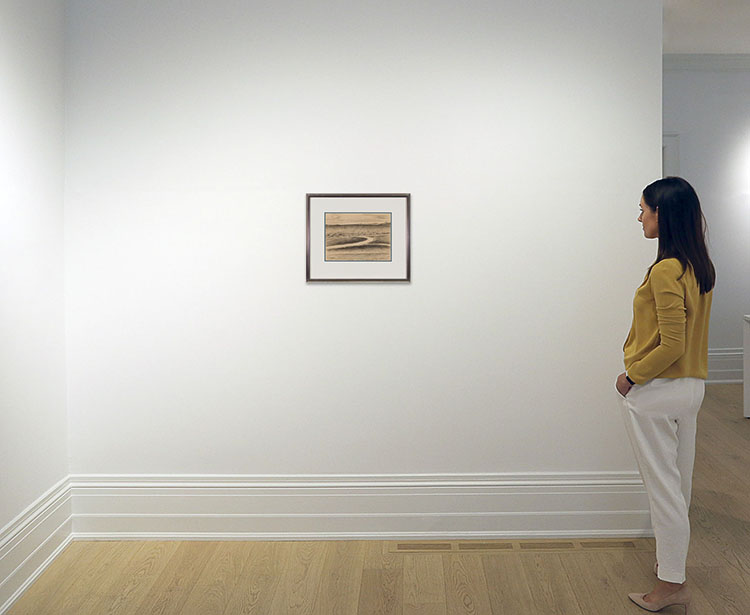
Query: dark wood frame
pixel 407 196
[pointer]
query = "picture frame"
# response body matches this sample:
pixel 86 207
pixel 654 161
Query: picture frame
pixel 358 237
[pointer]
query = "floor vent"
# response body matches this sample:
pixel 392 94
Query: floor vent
pixel 521 546
pixel 547 546
pixel 613 544
pixel 424 546
pixel 484 546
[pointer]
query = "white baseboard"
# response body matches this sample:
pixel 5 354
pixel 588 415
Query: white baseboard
pixel 359 507
pixel 706 61
pixel 30 542
pixel 725 365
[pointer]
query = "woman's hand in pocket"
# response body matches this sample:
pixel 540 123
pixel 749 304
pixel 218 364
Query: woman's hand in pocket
pixel 622 385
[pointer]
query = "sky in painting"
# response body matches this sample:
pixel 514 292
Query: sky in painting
pixel 358 218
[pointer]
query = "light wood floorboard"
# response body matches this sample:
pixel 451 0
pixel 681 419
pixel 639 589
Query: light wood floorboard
pixel 373 578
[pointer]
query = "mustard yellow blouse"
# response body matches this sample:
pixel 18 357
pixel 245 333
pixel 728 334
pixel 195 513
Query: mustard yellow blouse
pixel 669 334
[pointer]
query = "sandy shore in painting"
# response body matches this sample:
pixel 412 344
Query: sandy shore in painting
pixel 358 242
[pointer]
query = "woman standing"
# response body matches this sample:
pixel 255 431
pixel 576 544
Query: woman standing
pixel 666 363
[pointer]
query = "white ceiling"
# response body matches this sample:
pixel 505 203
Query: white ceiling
pixel 707 26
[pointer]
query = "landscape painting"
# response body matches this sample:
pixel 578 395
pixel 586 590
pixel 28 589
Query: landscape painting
pixel 358 237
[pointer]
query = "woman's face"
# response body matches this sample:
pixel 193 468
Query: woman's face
pixel 649 218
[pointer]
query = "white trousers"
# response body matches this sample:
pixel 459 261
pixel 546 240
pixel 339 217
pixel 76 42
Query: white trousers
pixel 660 417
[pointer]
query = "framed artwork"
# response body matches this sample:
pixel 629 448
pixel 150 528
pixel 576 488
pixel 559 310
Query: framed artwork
pixel 358 237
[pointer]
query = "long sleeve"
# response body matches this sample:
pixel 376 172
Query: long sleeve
pixel 669 297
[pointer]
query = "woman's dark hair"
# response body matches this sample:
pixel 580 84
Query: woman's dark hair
pixel 682 228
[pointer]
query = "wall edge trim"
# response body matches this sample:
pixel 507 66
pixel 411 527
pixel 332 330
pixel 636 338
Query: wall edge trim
pixel 706 61
pixel 349 481
pixel 33 540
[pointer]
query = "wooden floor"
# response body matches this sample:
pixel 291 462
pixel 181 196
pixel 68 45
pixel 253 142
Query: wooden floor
pixel 375 577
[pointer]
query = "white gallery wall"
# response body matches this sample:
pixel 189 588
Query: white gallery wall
pixel 707 116
pixel 524 133
pixel 33 424
pixel 35 506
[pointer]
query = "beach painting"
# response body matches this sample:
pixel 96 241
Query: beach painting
pixel 358 237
